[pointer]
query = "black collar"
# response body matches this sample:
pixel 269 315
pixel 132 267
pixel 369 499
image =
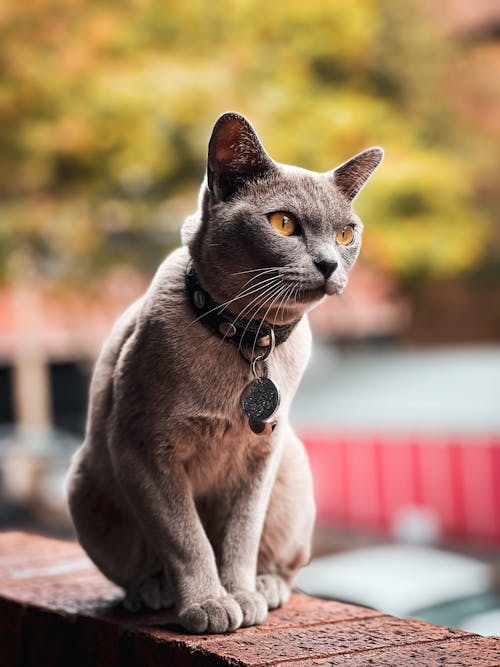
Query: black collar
pixel 244 332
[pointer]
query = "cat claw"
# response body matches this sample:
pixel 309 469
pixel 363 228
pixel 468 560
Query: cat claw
pixel 274 589
pixel 213 615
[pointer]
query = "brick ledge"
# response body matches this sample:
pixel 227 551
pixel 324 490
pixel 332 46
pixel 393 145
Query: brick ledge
pixel 56 609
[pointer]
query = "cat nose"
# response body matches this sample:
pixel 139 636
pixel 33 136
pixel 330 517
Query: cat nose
pixel 326 266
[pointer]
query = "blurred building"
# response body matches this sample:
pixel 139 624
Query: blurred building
pixel 49 339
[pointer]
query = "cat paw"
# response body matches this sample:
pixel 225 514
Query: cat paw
pixel 222 614
pixel 151 593
pixel 253 605
pixel 274 588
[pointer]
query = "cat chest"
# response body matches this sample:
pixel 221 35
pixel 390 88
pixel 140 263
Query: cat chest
pixel 217 389
pixel 217 453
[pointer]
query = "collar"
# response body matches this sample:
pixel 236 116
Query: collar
pixel 219 321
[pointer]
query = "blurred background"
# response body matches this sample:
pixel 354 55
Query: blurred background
pixel 105 113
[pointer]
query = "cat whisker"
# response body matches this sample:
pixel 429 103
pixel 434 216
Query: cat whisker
pixel 280 304
pixel 280 294
pixel 269 289
pixel 285 298
pixel 250 287
pixel 243 292
pixel 293 292
pixel 272 298
pixel 266 270
pixel 256 310
pixel 222 306
pixel 261 292
pixel 261 273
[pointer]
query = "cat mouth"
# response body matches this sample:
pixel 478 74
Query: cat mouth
pixel 333 289
pixel 308 294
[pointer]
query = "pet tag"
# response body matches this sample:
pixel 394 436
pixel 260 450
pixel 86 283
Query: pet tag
pixel 260 399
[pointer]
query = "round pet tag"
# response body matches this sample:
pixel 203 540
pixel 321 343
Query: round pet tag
pixel 260 399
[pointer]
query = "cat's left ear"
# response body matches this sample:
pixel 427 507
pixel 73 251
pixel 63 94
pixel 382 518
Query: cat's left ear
pixel 235 155
pixel 353 174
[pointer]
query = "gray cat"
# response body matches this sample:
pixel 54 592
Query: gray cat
pixel 181 493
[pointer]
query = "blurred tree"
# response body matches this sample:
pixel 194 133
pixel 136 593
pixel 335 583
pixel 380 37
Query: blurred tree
pixel 105 110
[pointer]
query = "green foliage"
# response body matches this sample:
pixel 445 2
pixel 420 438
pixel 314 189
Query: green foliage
pixel 106 107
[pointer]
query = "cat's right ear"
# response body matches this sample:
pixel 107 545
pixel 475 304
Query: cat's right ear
pixel 235 156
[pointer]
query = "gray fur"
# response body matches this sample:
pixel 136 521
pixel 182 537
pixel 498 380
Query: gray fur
pixel 173 497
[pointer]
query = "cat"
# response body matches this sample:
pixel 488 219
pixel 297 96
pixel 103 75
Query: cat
pixel 173 495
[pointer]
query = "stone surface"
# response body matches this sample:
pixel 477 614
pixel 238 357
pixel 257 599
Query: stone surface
pixel 56 609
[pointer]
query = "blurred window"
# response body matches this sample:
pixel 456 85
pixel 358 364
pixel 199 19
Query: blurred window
pixel 69 385
pixel 6 397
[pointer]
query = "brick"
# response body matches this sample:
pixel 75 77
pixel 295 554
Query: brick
pixel 142 650
pixel 52 574
pixel 43 638
pixel 467 652
pixel 305 610
pixel 328 639
pixel 10 632
pixel 20 548
pixel 96 641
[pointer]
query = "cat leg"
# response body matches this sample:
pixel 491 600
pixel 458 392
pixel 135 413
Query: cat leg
pixel 285 544
pixel 106 527
pixel 114 542
pixel 111 537
pixel 162 501
pixel 241 522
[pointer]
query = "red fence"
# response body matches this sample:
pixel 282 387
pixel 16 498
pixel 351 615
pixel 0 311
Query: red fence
pixel 364 481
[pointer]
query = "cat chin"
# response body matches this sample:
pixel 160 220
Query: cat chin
pixel 334 289
pixel 316 294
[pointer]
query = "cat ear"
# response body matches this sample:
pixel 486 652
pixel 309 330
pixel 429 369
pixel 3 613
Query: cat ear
pixel 353 174
pixel 235 155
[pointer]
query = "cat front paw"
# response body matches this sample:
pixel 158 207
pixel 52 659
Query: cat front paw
pixel 274 588
pixel 253 605
pixel 213 615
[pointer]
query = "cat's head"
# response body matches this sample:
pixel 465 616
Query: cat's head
pixel 271 238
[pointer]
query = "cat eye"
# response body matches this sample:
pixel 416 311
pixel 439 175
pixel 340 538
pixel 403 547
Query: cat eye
pixel 283 223
pixel 345 236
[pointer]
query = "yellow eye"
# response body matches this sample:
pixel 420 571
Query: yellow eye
pixel 283 223
pixel 345 236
